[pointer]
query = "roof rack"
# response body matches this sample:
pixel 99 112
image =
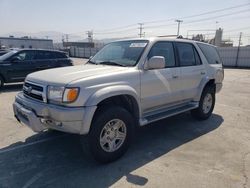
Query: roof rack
pixel 168 36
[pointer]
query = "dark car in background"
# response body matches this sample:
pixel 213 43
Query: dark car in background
pixel 2 52
pixel 17 64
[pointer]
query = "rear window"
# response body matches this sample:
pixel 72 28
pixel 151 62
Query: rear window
pixel 210 53
pixel 60 55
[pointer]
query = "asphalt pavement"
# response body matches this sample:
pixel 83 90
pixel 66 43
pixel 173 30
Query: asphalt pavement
pixel 175 152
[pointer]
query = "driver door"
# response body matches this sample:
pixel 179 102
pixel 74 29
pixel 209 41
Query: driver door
pixel 21 64
pixel 161 88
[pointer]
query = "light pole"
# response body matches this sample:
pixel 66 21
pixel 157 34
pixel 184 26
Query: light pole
pixel 179 22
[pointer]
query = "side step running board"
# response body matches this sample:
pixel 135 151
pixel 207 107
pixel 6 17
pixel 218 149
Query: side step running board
pixel 167 113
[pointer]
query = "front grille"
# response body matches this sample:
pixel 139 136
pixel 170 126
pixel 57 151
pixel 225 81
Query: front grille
pixel 33 91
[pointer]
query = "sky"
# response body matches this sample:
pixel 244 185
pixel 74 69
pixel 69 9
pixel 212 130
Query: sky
pixel 109 18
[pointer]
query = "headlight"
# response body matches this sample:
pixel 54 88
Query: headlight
pixel 55 93
pixel 62 94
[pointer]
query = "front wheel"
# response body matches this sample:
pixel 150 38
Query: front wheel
pixel 110 133
pixel 206 104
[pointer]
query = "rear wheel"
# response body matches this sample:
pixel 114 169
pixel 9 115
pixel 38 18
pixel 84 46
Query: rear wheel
pixel 111 133
pixel 206 104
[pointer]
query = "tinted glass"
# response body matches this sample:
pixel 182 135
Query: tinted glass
pixel 25 55
pixel 210 53
pixel 8 55
pixel 164 49
pixel 197 58
pixel 186 54
pixel 44 55
pixel 60 55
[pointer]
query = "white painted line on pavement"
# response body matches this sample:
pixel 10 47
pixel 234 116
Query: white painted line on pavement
pixel 30 144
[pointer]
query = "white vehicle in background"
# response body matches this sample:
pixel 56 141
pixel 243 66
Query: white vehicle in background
pixel 128 83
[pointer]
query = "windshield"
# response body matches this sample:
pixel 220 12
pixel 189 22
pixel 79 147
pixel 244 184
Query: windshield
pixel 9 54
pixel 123 53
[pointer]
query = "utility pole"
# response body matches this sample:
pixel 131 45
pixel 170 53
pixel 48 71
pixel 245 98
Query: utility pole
pixel 238 50
pixel 67 37
pixel 179 23
pixel 90 36
pixel 140 29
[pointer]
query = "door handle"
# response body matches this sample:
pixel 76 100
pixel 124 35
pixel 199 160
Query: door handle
pixel 202 73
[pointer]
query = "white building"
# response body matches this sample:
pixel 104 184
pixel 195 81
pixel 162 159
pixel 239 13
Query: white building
pixel 25 42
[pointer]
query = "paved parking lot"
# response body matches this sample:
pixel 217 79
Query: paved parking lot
pixel 175 152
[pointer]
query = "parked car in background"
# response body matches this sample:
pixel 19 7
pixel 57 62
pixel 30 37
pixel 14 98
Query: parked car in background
pixel 2 52
pixel 17 64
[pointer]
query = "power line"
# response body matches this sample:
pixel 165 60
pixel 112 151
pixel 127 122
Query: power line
pixel 201 14
pixel 125 28
pixel 201 20
pixel 117 28
pixel 111 32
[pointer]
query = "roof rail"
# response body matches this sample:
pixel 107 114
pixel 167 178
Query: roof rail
pixel 168 36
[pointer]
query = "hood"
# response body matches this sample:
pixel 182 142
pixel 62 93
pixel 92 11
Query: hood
pixel 65 75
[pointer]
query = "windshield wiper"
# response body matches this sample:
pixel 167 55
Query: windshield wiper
pixel 91 62
pixel 111 63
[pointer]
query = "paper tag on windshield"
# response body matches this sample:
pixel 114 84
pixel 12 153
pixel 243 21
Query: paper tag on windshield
pixel 138 45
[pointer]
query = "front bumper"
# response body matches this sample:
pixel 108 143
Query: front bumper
pixel 40 116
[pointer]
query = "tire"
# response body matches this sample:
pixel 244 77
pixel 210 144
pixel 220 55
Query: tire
pixel 206 104
pixel 102 140
pixel 1 82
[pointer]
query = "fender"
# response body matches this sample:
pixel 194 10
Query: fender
pixel 202 84
pixel 111 91
pixel 102 94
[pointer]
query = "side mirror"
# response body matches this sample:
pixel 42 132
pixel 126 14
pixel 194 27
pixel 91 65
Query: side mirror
pixel 155 62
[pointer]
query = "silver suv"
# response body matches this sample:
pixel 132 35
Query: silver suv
pixel 128 83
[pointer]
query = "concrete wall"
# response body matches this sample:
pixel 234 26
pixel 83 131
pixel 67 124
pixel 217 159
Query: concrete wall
pixel 82 52
pixel 26 43
pixel 229 56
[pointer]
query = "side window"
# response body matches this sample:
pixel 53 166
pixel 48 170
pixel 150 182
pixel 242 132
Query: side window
pixel 186 54
pixel 25 56
pixel 210 53
pixel 41 55
pixel 60 55
pixel 164 49
pixel 197 57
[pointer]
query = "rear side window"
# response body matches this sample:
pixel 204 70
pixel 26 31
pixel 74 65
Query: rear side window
pixel 60 55
pixel 164 49
pixel 186 54
pixel 44 55
pixel 210 53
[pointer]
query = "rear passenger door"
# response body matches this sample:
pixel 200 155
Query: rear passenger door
pixel 44 60
pixel 192 69
pixel 61 59
pixel 161 87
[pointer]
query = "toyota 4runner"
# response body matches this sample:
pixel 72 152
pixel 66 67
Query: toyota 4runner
pixel 128 83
